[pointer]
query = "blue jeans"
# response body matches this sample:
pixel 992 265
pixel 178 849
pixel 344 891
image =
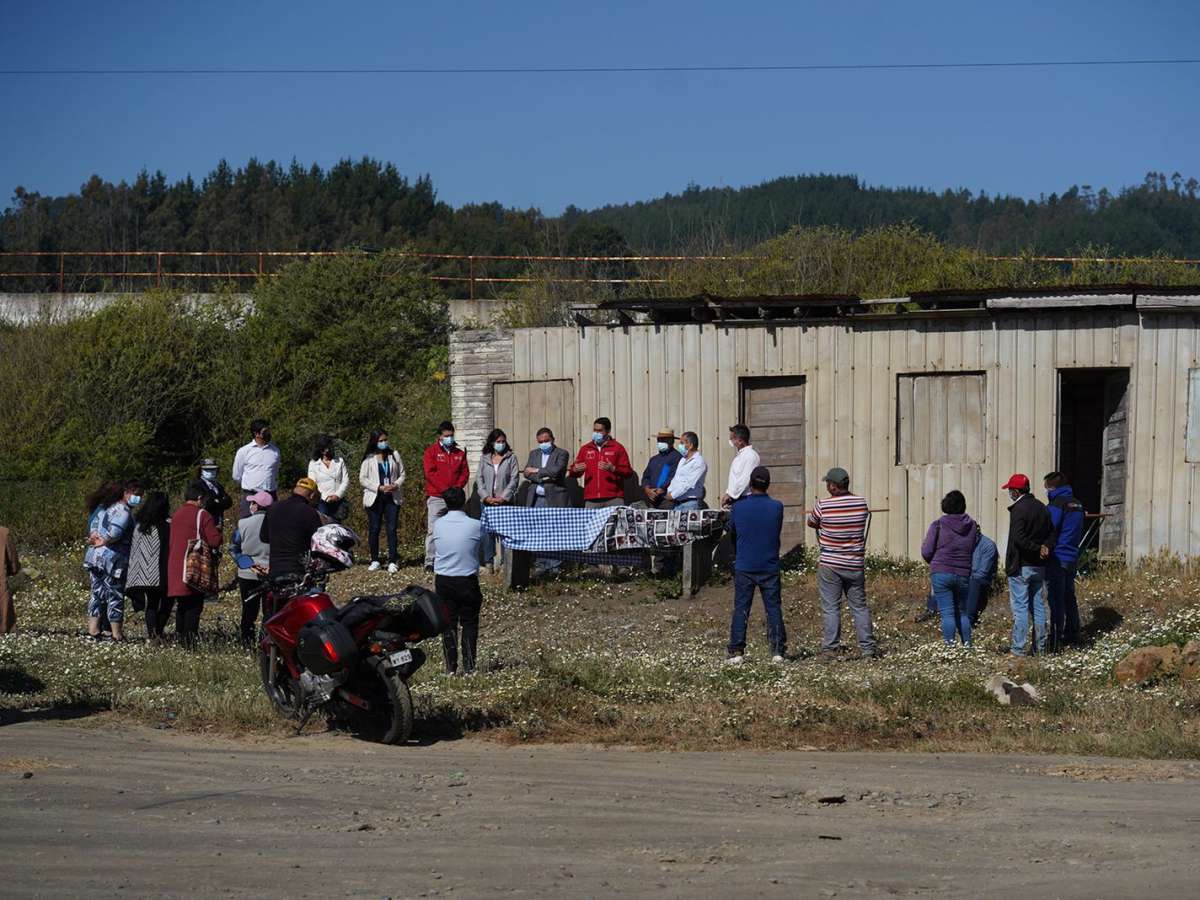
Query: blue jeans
pixel 687 504
pixel 743 594
pixel 1064 608
pixel 1026 591
pixel 952 593
pixel 977 599
pixel 384 508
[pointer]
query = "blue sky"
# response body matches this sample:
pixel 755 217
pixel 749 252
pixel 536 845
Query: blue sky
pixel 550 140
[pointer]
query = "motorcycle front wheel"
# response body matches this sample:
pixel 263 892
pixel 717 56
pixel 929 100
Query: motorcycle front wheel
pixel 390 720
pixel 282 691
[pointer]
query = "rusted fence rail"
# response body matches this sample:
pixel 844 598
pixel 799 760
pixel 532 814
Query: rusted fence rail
pixel 83 271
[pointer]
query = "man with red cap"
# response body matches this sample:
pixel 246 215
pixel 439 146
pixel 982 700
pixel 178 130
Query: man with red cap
pixel 1029 537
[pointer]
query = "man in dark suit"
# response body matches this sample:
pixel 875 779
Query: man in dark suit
pixel 546 470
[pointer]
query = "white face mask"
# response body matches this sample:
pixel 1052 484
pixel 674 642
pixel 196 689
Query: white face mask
pixel 732 444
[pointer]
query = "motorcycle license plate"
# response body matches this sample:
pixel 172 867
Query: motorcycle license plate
pixel 400 657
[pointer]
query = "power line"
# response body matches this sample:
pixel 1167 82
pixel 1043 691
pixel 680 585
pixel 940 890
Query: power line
pixel 619 70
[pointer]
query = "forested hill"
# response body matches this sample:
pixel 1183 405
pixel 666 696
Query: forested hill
pixel 369 204
pixel 1160 215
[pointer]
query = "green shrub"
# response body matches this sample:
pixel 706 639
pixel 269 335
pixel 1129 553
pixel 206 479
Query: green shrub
pixel 152 384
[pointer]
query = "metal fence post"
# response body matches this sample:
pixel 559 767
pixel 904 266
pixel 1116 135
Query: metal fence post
pixel 62 264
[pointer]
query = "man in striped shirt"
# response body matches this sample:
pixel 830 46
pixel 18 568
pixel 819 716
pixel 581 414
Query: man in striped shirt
pixel 841 521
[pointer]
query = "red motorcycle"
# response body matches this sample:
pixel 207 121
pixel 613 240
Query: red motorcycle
pixel 351 662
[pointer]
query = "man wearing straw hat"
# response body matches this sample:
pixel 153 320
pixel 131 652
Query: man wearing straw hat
pixel 660 470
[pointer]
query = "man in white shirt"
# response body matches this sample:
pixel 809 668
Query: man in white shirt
pixel 256 465
pixel 744 462
pixel 686 489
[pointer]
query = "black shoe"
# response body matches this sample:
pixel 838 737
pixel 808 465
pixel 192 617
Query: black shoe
pixel 924 616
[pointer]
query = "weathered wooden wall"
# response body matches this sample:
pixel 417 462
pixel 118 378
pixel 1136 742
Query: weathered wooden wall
pixel 687 376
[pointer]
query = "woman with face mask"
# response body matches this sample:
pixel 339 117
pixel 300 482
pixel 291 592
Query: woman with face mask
pixel 496 481
pixel 329 472
pixel 217 501
pixel 382 478
pixel 109 558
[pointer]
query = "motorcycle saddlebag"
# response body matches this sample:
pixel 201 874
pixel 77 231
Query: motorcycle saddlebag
pixel 326 646
pixel 426 614
pixel 414 611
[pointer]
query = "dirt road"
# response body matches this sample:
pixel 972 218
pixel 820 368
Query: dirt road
pixel 100 811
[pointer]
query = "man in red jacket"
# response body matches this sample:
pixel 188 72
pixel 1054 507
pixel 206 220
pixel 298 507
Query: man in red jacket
pixel 605 465
pixel 445 467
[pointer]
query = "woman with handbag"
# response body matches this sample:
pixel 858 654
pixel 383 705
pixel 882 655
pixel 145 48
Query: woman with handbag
pixel 192 562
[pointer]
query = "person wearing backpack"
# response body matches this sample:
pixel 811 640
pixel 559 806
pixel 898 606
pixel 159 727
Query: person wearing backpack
pixel 1067 515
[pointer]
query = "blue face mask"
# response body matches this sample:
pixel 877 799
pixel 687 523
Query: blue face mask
pixel 499 446
pixel 447 442
pixel 546 446
pixel 208 474
pixel 663 447
pixel 135 500
pixel 598 437
pixel 382 445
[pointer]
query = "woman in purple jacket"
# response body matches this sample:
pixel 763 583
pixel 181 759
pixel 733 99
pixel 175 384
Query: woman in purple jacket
pixel 948 547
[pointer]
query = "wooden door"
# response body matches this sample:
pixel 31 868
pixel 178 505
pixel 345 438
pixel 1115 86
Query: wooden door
pixel 773 409
pixel 520 408
pixel 1116 444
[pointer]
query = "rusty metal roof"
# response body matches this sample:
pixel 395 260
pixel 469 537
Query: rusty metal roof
pixel 799 308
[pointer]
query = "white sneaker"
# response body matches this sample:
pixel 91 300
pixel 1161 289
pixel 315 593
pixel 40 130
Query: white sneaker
pixel 393 568
pixel 735 660
pixel 777 658
pixel 374 566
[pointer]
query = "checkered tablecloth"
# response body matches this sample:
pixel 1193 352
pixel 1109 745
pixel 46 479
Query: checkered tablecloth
pixel 543 529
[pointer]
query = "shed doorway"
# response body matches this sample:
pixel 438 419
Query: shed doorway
pixel 1093 439
pixel 773 409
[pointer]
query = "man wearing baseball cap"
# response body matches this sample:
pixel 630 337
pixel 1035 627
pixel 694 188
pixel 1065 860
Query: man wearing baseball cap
pixel 288 527
pixel 756 522
pixel 253 556
pixel 842 521
pixel 1029 533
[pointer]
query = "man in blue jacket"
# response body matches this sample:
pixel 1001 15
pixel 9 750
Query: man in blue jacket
pixel 756 522
pixel 1067 515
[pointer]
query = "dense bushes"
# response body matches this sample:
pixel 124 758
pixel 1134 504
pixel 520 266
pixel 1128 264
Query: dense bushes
pixel 152 384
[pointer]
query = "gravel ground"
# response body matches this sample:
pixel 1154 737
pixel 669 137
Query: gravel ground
pixel 89 808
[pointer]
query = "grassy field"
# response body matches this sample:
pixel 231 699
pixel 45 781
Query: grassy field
pixel 582 659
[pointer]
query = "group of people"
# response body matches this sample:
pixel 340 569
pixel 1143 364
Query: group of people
pixel 137 545
pixel 1040 565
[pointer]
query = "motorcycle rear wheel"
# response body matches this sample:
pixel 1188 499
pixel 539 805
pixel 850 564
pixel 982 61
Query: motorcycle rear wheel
pixel 282 693
pixel 390 720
